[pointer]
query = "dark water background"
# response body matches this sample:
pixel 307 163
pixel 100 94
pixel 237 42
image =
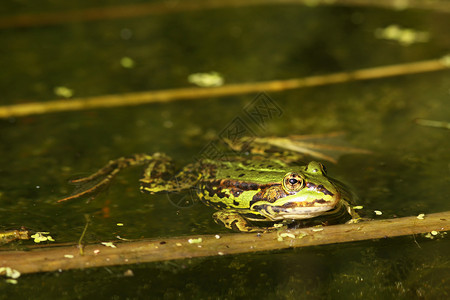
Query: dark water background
pixel 408 174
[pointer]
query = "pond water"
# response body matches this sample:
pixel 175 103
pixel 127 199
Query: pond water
pixel 407 174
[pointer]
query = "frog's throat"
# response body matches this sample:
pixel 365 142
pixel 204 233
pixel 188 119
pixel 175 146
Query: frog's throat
pixel 296 208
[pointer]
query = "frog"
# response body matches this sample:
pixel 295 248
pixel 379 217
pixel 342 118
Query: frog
pixel 257 192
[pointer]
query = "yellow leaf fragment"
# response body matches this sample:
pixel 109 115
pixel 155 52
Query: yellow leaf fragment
pixel 195 241
pixel 9 272
pixel 301 235
pixel 404 36
pixel 41 237
pixel 421 216
pixel 109 244
pixel 286 234
pixel 317 228
pixel 11 281
pixel 62 91
pixel 206 79
pixel 446 60
pixel 127 62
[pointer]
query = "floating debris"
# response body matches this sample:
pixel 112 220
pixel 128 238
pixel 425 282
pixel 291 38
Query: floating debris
pixel 109 244
pixel 62 91
pixel 301 235
pixel 11 281
pixel 317 228
pixel 41 237
pixel 404 36
pixel 127 62
pixel 433 123
pixel 195 241
pixel 12 274
pixel 206 79
pixel 286 234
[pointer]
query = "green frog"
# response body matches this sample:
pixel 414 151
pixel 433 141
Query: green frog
pixel 251 193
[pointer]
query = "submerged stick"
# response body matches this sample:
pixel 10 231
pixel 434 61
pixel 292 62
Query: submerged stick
pixel 57 258
pixel 167 7
pixel 195 93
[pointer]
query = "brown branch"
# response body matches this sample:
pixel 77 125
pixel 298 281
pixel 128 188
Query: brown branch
pixel 68 257
pixel 145 9
pixel 195 93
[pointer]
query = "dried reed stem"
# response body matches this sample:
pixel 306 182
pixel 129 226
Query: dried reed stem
pixel 195 93
pixel 145 9
pixel 60 257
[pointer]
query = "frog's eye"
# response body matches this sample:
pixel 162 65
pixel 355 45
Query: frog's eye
pixel 292 182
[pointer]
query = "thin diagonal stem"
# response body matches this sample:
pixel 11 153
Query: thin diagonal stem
pixel 139 98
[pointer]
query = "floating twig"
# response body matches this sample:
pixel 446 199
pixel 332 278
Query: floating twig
pixel 60 257
pixel 196 93
pixel 167 7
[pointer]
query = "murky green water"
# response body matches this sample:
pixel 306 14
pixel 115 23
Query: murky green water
pixel 408 174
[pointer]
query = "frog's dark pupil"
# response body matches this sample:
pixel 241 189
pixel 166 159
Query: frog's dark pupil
pixel 293 181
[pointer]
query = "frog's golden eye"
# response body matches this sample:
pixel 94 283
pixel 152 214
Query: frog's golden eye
pixel 292 182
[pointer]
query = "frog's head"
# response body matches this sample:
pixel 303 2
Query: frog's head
pixel 302 194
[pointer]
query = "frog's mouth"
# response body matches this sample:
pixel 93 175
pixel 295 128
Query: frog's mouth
pixel 298 209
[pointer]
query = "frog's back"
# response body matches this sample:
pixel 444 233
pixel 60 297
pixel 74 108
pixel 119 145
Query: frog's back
pixel 234 184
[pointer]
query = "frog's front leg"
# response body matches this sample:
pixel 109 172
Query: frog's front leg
pixel 355 216
pixel 233 220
